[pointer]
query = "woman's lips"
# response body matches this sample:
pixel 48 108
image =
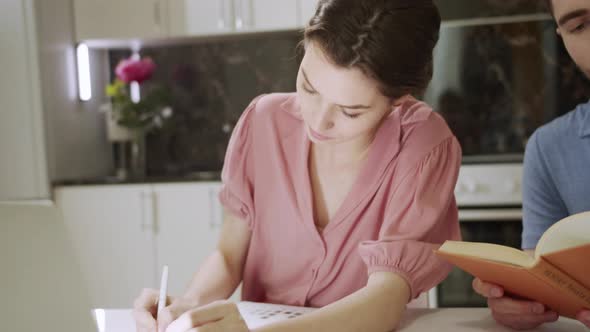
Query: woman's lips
pixel 318 136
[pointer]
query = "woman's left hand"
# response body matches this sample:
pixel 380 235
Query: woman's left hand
pixel 219 316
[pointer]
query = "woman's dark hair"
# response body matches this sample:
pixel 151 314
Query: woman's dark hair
pixel 391 41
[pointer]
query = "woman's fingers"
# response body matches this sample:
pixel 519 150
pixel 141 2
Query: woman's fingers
pixel 213 312
pixel 144 310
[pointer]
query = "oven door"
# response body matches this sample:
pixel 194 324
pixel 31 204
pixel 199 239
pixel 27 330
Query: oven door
pixel 492 225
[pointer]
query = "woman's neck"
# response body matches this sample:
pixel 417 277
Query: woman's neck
pixel 341 156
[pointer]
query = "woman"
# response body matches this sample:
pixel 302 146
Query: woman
pixel 337 195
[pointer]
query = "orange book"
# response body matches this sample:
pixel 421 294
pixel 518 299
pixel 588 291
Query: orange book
pixel 558 275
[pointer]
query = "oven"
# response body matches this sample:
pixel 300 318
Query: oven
pixel 495 81
pixel 490 210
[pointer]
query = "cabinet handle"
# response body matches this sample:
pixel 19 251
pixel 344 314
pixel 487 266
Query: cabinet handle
pixel 158 16
pixel 154 210
pixel 239 15
pixel 148 211
pixel 221 19
pixel 144 214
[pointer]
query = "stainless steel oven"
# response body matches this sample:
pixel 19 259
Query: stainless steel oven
pixel 495 81
pixel 490 210
pixel 498 79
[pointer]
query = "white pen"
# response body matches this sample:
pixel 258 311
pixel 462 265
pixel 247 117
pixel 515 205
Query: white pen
pixel 163 289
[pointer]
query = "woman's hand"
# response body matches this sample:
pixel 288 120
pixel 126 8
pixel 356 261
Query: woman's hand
pixel 219 316
pixel 145 307
pixel 516 314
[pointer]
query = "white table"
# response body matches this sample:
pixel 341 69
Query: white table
pixel 470 320
pixel 416 320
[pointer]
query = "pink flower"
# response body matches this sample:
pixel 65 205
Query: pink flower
pixel 130 70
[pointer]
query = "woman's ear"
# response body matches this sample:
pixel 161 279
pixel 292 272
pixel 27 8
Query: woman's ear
pixel 397 102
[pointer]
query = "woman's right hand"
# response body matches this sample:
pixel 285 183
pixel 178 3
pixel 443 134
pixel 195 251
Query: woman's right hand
pixel 146 306
pixel 514 313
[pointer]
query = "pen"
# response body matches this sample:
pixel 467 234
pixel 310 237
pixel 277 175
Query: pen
pixel 163 289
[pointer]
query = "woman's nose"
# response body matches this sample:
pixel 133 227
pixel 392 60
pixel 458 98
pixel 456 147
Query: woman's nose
pixel 324 119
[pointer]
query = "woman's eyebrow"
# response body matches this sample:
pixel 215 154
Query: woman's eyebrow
pixel 352 107
pixel 307 79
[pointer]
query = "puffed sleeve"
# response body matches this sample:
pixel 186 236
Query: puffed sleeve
pixel 237 175
pixel 420 216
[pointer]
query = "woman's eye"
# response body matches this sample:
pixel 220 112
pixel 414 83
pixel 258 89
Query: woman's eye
pixel 350 115
pixel 308 90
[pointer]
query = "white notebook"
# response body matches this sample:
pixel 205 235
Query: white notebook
pixel 255 315
pixel 260 314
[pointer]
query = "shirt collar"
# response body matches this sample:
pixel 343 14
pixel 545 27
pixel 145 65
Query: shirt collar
pixel 585 124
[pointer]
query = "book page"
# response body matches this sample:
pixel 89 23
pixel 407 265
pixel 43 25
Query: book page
pixel 570 232
pixel 260 314
pixel 488 251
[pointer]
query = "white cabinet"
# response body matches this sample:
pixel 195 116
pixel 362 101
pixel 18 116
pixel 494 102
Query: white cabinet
pixel 260 15
pixel 202 17
pixel 111 231
pixel 122 235
pixel 113 19
pixel 127 19
pixel 188 219
pixel 308 8
pixel 23 166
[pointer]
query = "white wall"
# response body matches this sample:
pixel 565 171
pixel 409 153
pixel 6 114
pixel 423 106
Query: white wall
pixel 41 287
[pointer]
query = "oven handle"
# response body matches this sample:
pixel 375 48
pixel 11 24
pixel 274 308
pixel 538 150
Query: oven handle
pixel 504 214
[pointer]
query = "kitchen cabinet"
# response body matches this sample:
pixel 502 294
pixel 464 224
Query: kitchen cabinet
pixel 124 234
pixel 141 19
pixel 308 8
pixel 200 17
pixel 23 173
pixel 188 219
pixel 120 19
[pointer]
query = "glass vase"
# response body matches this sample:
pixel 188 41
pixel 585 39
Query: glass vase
pixel 137 156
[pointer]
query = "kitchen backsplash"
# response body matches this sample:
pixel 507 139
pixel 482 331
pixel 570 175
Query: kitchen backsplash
pixel 212 82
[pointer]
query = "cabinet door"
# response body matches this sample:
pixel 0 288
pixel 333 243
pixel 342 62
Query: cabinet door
pixel 199 17
pixel 307 10
pixel 114 19
pixel 260 15
pixel 188 219
pixel 23 169
pixel 112 233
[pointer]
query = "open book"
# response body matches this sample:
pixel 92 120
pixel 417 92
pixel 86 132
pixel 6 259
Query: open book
pixel 558 275
pixel 255 314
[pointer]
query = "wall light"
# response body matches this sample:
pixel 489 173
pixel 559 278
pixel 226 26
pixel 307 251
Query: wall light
pixel 84 85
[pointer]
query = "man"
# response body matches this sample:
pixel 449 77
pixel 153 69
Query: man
pixel 556 180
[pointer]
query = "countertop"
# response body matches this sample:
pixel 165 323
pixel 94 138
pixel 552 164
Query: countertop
pixel 415 320
pixel 112 180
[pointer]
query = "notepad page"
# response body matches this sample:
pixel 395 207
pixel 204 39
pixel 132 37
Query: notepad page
pixel 260 314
